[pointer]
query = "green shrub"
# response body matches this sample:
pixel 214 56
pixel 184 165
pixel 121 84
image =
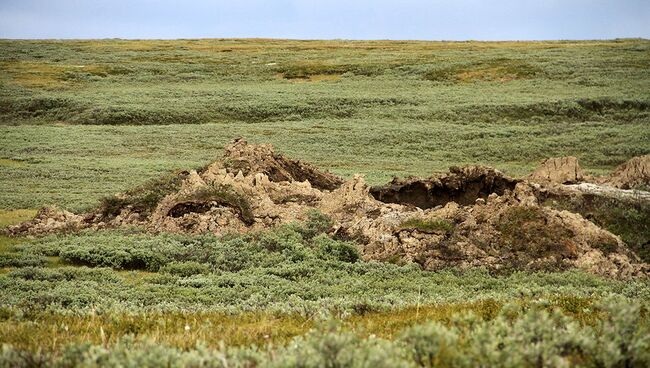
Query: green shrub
pixel 225 195
pixel 144 198
pixel 519 337
pixel 433 345
pixel 317 223
pixel 21 260
pixel 341 251
pixel 142 254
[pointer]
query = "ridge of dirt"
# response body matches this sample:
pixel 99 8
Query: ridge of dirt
pixel 472 216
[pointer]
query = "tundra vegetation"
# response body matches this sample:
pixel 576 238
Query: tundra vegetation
pixel 83 120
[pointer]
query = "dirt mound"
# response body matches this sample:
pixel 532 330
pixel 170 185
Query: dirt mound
pixel 472 216
pixel 49 220
pixel 261 158
pixel 559 170
pixel 508 232
pixel 632 174
pixel 463 185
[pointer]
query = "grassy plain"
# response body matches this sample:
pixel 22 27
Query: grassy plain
pixel 80 120
pixel 83 119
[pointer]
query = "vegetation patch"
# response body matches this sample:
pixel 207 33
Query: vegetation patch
pixel 11 163
pixel 55 75
pixel 499 70
pixel 13 217
pixel 427 225
pixel 317 70
pixel 528 234
pixel 626 218
pixel 223 195
pixel 509 336
pixel 144 198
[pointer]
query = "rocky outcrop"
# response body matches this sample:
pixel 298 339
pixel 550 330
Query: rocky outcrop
pixel 49 220
pixel 508 232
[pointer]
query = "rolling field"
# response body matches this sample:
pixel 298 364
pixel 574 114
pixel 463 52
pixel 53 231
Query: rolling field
pixel 77 113
pixel 82 120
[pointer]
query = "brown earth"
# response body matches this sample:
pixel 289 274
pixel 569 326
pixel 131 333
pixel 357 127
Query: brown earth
pixel 472 216
pixel 635 173
pixel 560 170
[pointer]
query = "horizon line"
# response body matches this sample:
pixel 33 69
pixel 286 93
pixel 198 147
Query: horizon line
pixel 325 39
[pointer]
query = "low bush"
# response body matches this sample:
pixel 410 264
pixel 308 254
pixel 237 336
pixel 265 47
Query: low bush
pixel 21 260
pixel 340 251
pixel 134 253
pixel 518 336
pixel 317 223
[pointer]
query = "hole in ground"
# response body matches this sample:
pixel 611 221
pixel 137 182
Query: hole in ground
pixel 454 187
pixel 183 208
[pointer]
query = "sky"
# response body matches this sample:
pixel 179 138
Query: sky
pixel 334 19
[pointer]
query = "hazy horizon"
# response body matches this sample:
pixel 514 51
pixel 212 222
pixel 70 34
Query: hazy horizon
pixel 462 20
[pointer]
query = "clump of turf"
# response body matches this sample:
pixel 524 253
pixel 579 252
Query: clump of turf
pixel 144 198
pixel 427 225
pixel 628 219
pixel 526 232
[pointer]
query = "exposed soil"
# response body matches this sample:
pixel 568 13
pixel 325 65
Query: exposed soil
pixel 463 185
pixel 635 173
pixel 261 158
pixel 560 170
pixel 472 216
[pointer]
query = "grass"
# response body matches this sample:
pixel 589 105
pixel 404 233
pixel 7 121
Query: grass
pixel 505 104
pixel 501 70
pixel 81 121
pixel 427 225
pixel 186 330
pixel 12 217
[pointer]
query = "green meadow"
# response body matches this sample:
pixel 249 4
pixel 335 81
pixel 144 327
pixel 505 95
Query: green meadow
pixel 84 119
pixel 81 120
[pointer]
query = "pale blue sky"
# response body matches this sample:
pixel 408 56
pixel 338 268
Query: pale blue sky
pixel 311 19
